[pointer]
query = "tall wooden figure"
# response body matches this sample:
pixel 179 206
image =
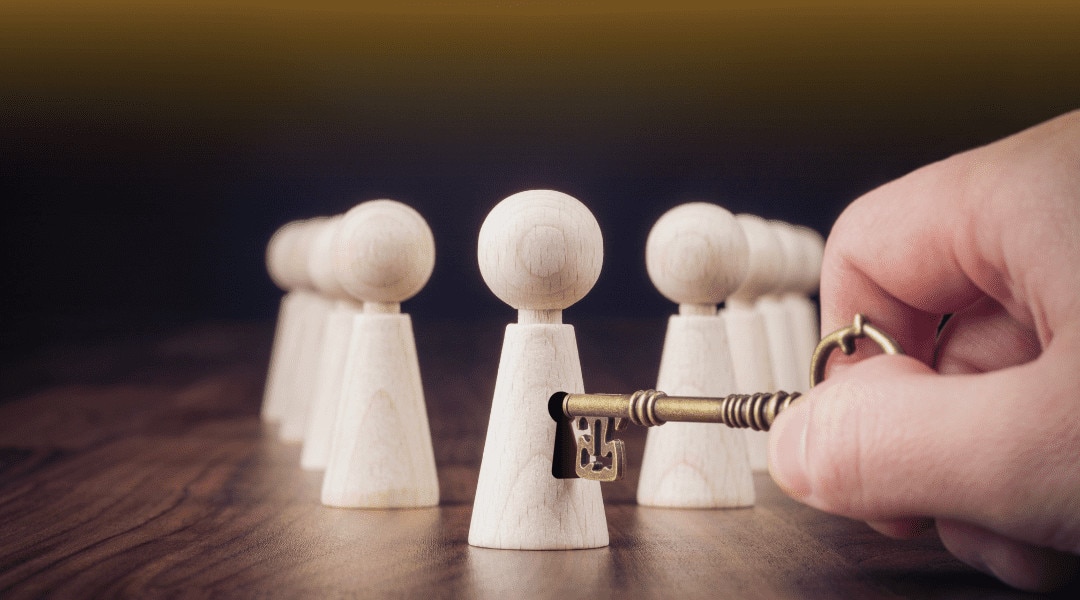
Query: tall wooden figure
pixel 284 349
pixel 380 453
pixel 802 314
pixel 301 373
pixel 784 351
pixel 746 331
pixel 337 329
pixel 540 251
pixel 696 255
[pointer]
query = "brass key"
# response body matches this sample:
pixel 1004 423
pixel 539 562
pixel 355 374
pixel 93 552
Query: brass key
pixel 585 445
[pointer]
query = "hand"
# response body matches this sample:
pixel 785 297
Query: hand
pixel 979 427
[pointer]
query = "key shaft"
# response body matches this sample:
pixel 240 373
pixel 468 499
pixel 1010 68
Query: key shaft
pixel 649 408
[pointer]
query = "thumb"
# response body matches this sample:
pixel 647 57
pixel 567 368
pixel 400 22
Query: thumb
pixel 889 438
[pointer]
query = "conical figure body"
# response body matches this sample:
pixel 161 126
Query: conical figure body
pixel 381 454
pixel 330 380
pixel 539 251
pixel 750 358
pixel 696 255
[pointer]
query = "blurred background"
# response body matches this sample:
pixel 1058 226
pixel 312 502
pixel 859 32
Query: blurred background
pixel 149 149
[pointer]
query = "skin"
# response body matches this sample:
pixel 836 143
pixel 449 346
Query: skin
pixel 976 431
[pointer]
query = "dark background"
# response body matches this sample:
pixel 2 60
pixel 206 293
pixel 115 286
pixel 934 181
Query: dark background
pixel 148 152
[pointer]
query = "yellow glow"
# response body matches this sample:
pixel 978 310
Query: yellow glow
pixel 510 60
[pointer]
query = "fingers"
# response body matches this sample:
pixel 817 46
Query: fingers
pixel 872 267
pixel 890 439
pixel 982 338
pixel 1022 566
pixel 992 235
pixel 999 221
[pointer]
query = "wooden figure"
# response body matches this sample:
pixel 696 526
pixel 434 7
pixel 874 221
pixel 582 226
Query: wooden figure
pixel 381 454
pixel 540 251
pixel 802 313
pixel 282 352
pixel 330 372
pixel 696 255
pixel 788 374
pixel 746 327
pixel 301 373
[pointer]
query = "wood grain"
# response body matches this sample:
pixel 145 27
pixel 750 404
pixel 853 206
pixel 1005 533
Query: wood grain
pixel 381 454
pixel 138 467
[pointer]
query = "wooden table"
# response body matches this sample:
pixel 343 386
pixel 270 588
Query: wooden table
pixel 136 466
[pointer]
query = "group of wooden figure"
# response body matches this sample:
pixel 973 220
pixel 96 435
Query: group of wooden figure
pixel 345 381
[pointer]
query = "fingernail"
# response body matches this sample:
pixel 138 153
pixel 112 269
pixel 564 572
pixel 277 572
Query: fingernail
pixel 787 451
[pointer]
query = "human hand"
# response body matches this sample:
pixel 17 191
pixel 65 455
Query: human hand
pixel 978 428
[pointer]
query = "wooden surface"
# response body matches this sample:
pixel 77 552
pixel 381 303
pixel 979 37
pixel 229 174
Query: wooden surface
pixel 137 466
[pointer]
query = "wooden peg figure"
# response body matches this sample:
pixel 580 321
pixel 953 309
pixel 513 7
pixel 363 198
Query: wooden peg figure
pixel 301 374
pixel 283 351
pixel 337 328
pixel 540 251
pixel 783 350
pixel 746 332
pixel 802 313
pixel 380 452
pixel 696 255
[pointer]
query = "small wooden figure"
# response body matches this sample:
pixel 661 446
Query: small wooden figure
pixel 696 255
pixel 330 372
pixel 802 314
pixel 746 327
pixel 381 454
pixel 283 351
pixel 540 251
pixel 301 374
pixel 784 353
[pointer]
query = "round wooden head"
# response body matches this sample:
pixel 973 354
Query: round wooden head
pixel 296 262
pixel 321 259
pixel 696 254
pixel 794 263
pixel 384 252
pixel 766 268
pixel 812 249
pixel 540 250
pixel 277 254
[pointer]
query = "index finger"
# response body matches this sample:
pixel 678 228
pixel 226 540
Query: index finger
pixel 938 239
